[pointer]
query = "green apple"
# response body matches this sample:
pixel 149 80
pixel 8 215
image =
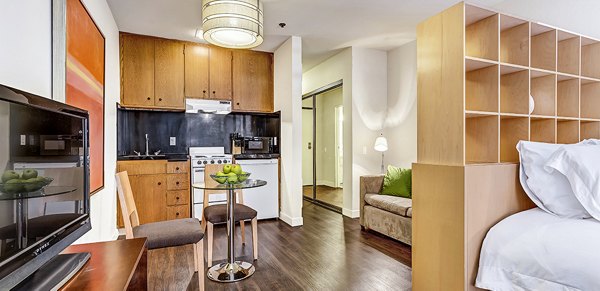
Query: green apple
pixel 33 184
pixel 243 176
pixel 9 175
pixel 237 169
pixel 226 168
pixel 28 174
pixel 221 177
pixel 14 186
pixel 233 178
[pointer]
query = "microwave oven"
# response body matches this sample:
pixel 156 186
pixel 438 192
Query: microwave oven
pixel 59 145
pixel 257 145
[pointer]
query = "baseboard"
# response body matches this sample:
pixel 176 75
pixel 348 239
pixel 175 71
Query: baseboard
pixel 117 233
pixel 292 221
pixel 351 213
pixel 326 183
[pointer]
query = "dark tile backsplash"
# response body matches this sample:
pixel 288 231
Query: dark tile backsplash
pixel 190 129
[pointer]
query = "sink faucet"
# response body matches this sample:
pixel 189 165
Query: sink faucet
pixel 147 151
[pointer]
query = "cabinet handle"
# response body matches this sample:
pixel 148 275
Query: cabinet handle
pixel 177 183
pixel 237 103
pixel 177 169
pixel 159 183
pixel 177 214
pixel 148 98
pixel 214 92
pixel 159 99
pixel 177 197
pixel 204 91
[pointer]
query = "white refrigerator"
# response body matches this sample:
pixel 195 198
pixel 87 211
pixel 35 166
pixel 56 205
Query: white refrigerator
pixel 265 200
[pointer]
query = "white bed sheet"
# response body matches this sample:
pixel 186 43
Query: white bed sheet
pixel 535 250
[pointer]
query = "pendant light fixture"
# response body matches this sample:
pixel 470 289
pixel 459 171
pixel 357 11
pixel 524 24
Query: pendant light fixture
pixel 233 23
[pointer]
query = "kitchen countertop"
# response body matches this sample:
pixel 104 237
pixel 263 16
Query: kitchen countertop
pixel 169 157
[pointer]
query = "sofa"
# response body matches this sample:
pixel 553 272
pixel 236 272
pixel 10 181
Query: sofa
pixel 386 214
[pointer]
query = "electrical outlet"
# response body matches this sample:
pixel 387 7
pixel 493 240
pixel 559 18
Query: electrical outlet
pixel 173 141
pixel 23 139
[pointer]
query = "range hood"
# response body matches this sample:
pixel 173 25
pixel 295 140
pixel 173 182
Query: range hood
pixel 207 106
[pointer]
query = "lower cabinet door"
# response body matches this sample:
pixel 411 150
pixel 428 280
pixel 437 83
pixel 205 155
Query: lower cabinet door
pixel 149 193
pixel 177 212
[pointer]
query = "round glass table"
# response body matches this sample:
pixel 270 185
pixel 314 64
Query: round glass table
pixel 231 270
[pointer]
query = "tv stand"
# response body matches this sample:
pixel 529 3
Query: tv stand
pixel 55 273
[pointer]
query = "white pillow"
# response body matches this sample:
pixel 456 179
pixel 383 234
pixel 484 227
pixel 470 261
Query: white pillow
pixel 581 166
pixel 549 191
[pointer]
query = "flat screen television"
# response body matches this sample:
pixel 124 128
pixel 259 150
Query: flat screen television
pixel 44 186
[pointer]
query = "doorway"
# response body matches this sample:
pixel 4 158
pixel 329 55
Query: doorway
pixel 322 152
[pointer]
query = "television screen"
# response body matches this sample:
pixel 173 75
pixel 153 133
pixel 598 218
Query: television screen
pixel 44 187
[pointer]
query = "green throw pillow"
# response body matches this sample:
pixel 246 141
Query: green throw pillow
pixel 397 182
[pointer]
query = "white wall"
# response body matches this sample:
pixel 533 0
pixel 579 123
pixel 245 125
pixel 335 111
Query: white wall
pixel 364 75
pixel 288 100
pixel 325 146
pixel 401 120
pixel 25 58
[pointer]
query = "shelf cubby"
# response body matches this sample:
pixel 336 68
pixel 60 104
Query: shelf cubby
pixel 543 89
pixel 543 130
pixel 543 47
pixel 568 53
pixel 590 129
pixel 481 86
pixel 567 131
pixel 481 33
pixel 514 41
pixel 590 58
pixel 567 96
pixel 514 90
pixel 590 99
pixel 481 139
pixel 512 130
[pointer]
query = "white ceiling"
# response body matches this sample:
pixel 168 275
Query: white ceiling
pixel 327 26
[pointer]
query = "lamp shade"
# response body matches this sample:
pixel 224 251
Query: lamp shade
pixel 233 23
pixel 381 144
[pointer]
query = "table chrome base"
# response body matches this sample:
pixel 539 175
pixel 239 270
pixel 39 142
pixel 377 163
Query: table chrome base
pixel 226 272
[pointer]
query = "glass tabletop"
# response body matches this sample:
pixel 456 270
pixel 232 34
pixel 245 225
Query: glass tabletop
pixel 244 185
pixel 44 192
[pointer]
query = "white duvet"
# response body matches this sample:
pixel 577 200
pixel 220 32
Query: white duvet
pixel 535 250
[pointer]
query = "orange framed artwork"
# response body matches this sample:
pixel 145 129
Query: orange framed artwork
pixel 78 74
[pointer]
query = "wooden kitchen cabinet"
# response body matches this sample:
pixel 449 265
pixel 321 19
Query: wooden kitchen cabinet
pixel 252 81
pixel 161 189
pixel 137 70
pixel 207 72
pixel 152 73
pixel 168 74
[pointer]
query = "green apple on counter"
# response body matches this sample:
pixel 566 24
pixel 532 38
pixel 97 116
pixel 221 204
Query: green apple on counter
pixel 10 175
pixel 233 178
pixel 29 174
pixel 237 169
pixel 226 168
pixel 221 177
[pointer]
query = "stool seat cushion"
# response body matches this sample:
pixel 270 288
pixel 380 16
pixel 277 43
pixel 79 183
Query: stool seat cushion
pixel 170 233
pixel 218 213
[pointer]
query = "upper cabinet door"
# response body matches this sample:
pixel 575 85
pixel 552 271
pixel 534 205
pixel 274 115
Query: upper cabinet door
pixel 137 70
pixel 220 73
pixel 196 71
pixel 252 81
pixel 168 74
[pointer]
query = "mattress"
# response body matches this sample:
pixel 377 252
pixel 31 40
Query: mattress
pixel 535 250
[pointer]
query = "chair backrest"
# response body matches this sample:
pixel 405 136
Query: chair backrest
pixel 127 203
pixel 209 182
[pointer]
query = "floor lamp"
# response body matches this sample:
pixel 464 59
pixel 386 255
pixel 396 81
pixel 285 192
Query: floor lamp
pixel 381 145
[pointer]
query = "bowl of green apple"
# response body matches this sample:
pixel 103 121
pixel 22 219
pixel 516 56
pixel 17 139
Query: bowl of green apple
pixel 27 181
pixel 230 174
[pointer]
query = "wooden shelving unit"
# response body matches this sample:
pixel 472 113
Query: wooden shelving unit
pixel 481 33
pixel 512 130
pixel 543 47
pixel 590 58
pixel 543 129
pixel 590 129
pixel 514 41
pixel 567 96
pixel 568 53
pixel 514 90
pixel 590 99
pixel 567 131
pixel 480 96
pixel 543 91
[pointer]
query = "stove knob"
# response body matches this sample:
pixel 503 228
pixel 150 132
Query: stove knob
pixel 212 162
pixel 199 162
pixel 219 161
pixel 204 162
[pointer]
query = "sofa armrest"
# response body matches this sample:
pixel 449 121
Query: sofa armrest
pixel 368 184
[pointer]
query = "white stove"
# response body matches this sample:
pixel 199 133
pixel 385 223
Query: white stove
pixel 200 157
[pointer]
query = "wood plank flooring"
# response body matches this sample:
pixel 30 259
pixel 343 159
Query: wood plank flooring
pixel 330 195
pixel 329 252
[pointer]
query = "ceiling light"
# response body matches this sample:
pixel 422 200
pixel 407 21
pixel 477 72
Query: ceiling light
pixel 233 23
pixel 199 33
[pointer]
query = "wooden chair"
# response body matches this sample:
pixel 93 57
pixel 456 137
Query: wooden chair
pixel 161 234
pixel 216 214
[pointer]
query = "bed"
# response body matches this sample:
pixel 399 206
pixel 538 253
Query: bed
pixel 535 250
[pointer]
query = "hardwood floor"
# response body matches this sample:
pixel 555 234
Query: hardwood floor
pixel 329 195
pixel 329 252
